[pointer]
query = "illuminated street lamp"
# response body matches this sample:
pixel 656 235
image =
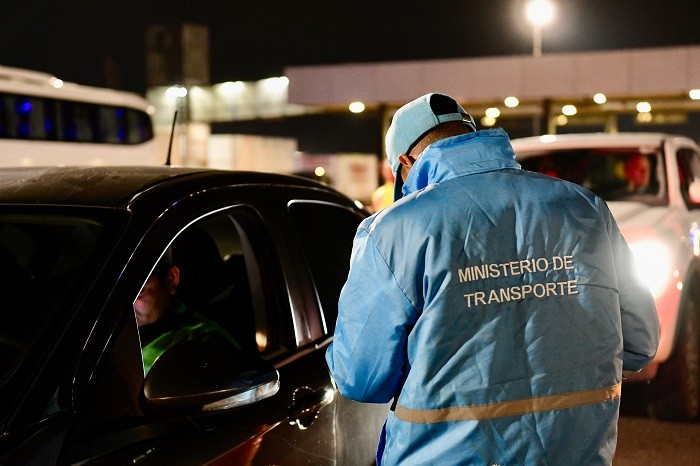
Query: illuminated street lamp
pixel 539 13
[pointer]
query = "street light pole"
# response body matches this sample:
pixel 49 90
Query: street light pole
pixel 538 13
pixel 537 40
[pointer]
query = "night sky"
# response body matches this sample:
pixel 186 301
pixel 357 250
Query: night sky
pixel 100 42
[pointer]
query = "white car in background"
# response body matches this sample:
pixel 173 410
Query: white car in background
pixel 651 182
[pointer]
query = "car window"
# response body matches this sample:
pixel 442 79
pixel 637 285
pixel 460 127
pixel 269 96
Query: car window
pixel 615 174
pixel 226 288
pixel 688 172
pixel 42 258
pixel 326 232
pixel 230 278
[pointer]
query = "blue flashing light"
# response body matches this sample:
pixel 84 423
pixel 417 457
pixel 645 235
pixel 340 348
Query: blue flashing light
pixel 24 106
pixel 120 112
pixel 121 135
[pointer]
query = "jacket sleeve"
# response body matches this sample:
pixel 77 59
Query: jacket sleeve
pixel 367 358
pixel 640 321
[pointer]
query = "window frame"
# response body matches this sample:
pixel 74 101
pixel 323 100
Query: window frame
pixel 327 321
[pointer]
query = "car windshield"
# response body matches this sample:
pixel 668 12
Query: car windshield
pixel 43 258
pixel 615 174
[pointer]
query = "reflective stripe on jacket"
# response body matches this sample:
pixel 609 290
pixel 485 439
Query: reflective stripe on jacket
pixel 500 306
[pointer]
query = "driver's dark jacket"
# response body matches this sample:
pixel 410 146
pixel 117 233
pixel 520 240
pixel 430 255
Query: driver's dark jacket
pixel 500 306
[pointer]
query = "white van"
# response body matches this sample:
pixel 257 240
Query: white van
pixel 651 182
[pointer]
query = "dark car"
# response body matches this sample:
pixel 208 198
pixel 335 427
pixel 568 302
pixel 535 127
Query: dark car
pixel 267 257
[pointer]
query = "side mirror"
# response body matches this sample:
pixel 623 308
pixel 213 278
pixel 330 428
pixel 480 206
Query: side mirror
pixel 194 376
pixel 694 191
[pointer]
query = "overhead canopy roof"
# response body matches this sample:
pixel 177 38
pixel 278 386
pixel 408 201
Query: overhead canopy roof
pixel 663 72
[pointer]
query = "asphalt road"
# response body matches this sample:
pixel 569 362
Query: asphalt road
pixel 645 441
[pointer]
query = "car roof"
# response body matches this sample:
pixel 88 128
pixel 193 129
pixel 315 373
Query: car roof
pixel 567 141
pixel 115 187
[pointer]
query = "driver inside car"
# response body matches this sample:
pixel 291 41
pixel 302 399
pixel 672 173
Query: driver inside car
pixel 163 320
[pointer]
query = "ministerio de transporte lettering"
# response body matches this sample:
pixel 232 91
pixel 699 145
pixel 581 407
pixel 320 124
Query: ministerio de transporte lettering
pixel 518 292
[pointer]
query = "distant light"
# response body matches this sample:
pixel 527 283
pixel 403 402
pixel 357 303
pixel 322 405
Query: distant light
pixel 562 120
pixel 57 83
pixel 319 171
pixel 511 102
pixel 359 204
pixel 644 117
pixel 151 110
pixel 356 107
pixel 539 12
pixel 547 138
pixel 644 107
pixel 279 83
pixel 694 94
pixel 175 92
pixel 600 98
pixel 231 87
pixel 493 112
pixel 488 121
pixel 569 110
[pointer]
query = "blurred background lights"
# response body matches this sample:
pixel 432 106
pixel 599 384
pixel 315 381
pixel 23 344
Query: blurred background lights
pixel 320 171
pixel 694 94
pixel 488 121
pixel 175 92
pixel 562 120
pixel 539 12
pixel 548 138
pixel 57 83
pixel 231 87
pixel 356 107
pixel 275 84
pixel 644 117
pixel 644 107
pixel 511 102
pixel 569 110
pixel 493 112
pixel 600 98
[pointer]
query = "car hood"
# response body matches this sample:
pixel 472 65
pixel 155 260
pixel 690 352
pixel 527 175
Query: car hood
pixel 638 214
pixel 641 222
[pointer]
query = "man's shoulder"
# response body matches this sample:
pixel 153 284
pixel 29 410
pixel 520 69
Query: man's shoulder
pixel 403 214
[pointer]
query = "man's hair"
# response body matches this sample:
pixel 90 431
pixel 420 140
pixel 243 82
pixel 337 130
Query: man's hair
pixel 442 131
pixel 163 265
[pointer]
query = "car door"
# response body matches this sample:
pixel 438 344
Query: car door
pixel 260 305
pixel 325 231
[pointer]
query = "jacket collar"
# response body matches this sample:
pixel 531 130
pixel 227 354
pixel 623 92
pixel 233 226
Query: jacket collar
pixel 464 154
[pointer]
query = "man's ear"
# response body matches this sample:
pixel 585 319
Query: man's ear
pixel 406 160
pixel 173 279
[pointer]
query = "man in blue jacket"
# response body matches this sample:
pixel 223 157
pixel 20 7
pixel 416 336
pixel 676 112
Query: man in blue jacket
pixel 496 306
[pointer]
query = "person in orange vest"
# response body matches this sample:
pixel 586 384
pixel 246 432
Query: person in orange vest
pixel 383 196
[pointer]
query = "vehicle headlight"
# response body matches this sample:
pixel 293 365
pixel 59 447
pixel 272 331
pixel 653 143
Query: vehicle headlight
pixel 653 265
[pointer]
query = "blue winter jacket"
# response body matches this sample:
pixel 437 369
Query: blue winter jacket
pixel 499 306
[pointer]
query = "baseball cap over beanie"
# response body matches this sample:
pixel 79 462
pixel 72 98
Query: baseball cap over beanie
pixel 412 121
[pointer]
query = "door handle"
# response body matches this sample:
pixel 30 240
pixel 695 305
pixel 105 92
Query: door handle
pixel 306 404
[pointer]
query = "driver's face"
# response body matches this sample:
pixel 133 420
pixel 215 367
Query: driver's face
pixel 638 171
pixel 152 302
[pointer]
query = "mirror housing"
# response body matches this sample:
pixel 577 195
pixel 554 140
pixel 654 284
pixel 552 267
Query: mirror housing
pixel 194 376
